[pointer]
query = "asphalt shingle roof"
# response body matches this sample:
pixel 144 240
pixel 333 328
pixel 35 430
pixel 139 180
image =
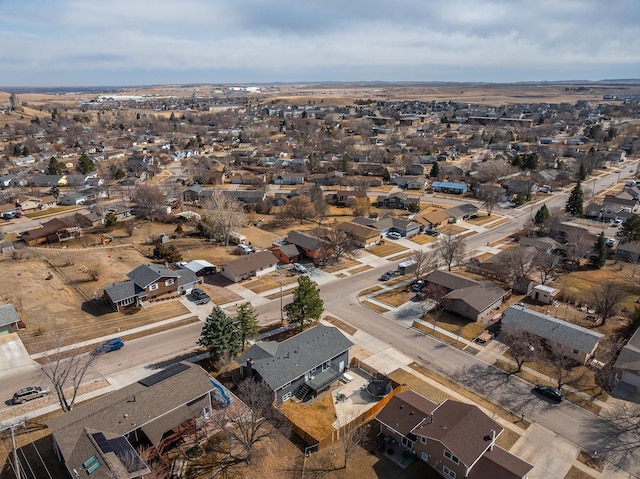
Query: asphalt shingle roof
pixel 8 315
pixel 280 363
pixel 308 242
pixel 146 274
pixel 550 328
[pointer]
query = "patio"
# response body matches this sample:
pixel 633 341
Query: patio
pixel 356 398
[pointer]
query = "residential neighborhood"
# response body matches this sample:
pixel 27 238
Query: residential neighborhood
pixel 368 283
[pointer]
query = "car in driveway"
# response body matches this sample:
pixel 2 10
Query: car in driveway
pixel 27 394
pixel 549 391
pixel 108 346
pixel 200 296
pixel 300 268
pixel 418 286
pixel 393 235
pixel 432 232
pixel 617 222
pixel 388 275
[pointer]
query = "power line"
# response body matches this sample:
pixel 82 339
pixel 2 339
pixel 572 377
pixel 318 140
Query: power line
pixel 38 453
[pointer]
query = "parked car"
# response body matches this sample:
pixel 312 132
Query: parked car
pixel 27 394
pixel 299 268
pixel 108 346
pixel 200 296
pixel 245 249
pixel 388 275
pixel 432 232
pixel 394 235
pixel 417 286
pixel 550 392
pixel 615 223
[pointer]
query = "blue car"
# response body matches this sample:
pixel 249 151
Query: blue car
pixel 108 346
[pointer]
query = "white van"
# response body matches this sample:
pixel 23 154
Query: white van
pixel 244 249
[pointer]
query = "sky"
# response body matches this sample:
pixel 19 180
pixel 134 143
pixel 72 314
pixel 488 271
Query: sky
pixel 145 42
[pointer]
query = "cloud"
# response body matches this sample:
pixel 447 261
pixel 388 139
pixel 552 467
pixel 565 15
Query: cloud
pixel 259 40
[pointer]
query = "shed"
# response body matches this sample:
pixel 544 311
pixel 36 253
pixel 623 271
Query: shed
pixel 544 294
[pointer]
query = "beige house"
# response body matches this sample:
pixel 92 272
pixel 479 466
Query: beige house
pixel 249 266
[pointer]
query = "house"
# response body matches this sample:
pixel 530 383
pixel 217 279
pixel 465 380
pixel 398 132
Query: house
pixel 7 181
pixel 449 187
pixel 362 236
pixel 8 319
pixel 48 201
pixel 544 294
pixel 462 212
pixel 101 438
pixel 73 198
pixel 309 244
pixel 517 186
pixel 287 253
pixel 477 302
pixel 28 203
pixel 246 196
pixel 247 266
pixel 629 252
pixel 433 219
pixel 406 228
pixel 48 180
pixel 543 244
pixel 454 438
pixel 7 247
pixel 448 280
pixel 148 281
pixel 301 366
pixel 400 201
pixel 628 363
pixel 289 179
pixel 8 211
pixel 562 337
pixel 53 231
pixel 192 193
pixel 348 197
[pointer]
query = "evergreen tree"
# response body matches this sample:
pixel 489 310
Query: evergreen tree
pixel 86 164
pixel 220 335
pixel 247 321
pixel 110 220
pixel 599 257
pixel 435 171
pixel 306 304
pixel 542 216
pixel 630 229
pixel 575 206
pixel 582 173
pixel 55 167
pixel 386 176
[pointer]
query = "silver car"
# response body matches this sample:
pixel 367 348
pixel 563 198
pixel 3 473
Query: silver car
pixel 27 394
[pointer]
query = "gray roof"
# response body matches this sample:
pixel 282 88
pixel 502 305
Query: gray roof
pixel 479 296
pixel 304 240
pixel 251 262
pixel 8 315
pixel 146 274
pixel 629 357
pixel 149 407
pixel 123 290
pixel 550 328
pixel 463 210
pixel 449 280
pixel 280 363
pixel 197 264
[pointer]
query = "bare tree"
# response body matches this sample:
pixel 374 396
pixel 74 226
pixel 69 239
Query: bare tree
pixel 607 352
pixel 424 260
pixel 523 346
pixel 606 298
pixel 361 206
pixel 617 437
pixel 546 264
pixel 299 208
pixel 351 436
pixel 93 270
pixel 246 427
pixel 518 262
pixel 490 197
pixel 433 297
pixel 579 244
pixel 451 248
pixel 335 245
pixel 222 216
pixel 150 200
pixel 66 369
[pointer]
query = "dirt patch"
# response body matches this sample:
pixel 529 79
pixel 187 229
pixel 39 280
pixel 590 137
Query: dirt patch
pixel 350 330
pixel 367 291
pixel 423 239
pixel 265 283
pixel 375 307
pixel 342 264
pixel 315 418
pixel 497 223
pixel 395 297
pixel 483 219
pixel 386 249
pixel 400 257
pixel 575 473
pixel 366 267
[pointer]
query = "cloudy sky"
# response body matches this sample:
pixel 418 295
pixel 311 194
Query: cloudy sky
pixel 138 42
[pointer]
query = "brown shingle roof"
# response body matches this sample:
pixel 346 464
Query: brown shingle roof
pixel 251 262
pixel 405 411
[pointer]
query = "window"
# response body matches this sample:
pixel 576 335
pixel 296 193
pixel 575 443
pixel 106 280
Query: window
pixel 451 457
pixel 153 287
pixel 326 365
pixel 423 440
pixel 286 396
pixel 169 282
pixel 128 301
pixel 449 472
pixel 425 457
pixel 407 442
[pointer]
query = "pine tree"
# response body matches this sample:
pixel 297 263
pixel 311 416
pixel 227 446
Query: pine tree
pixel 599 257
pixel 542 216
pixel 86 164
pixel 306 304
pixel 247 321
pixel 435 171
pixel 220 335
pixel 574 204
pixel 55 167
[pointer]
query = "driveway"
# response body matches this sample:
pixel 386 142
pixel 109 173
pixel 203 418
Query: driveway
pixel 13 354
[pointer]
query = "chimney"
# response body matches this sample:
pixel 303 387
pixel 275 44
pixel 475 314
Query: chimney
pixel 493 439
